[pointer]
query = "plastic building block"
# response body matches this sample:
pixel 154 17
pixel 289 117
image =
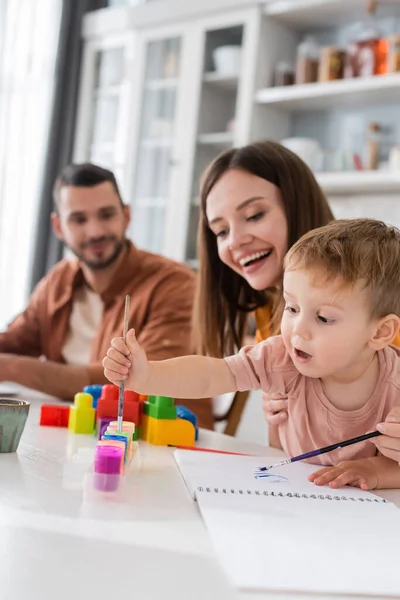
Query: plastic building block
pixel 136 434
pixel 108 407
pixel 184 413
pixel 95 391
pixel 102 425
pixel 131 396
pixel 109 391
pixel 120 437
pixel 82 414
pixel 160 407
pixel 162 432
pixel 54 415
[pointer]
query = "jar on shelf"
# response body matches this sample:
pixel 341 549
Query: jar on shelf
pixel 394 53
pixel 283 74
pixel 331 65
pixel 307 63
pixel 367 55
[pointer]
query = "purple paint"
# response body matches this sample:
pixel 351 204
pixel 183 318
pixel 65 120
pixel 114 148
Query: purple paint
pixel 103 424
pixel 107 468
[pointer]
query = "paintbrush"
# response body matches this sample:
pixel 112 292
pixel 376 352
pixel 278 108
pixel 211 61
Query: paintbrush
pixel 360 438
pixel 122 384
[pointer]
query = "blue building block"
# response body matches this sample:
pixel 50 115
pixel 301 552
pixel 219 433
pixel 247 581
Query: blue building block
pixel 184 413
pixel 94 391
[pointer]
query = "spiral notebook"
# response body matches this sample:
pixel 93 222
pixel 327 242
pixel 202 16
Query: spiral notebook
pixel 283 533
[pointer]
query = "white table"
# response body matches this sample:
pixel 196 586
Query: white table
pixel 55 543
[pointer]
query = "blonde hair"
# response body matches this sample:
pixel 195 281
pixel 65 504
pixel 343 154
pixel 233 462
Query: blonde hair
pixel 355 250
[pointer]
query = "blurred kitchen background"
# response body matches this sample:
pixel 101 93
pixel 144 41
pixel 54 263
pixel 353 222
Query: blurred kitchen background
pixel 155 90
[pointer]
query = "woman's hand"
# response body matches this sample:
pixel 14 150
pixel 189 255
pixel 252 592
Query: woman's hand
pixel 388 444
pixel 275 408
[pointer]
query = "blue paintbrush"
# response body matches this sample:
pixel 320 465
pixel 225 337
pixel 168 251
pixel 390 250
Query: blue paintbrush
pixel 360 438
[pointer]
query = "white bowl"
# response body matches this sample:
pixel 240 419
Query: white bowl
pixel 307 149
pixel 227 59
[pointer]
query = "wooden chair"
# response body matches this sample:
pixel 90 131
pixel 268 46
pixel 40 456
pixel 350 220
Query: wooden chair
pixel 234 413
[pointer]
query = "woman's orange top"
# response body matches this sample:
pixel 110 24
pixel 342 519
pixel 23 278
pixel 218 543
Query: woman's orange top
pixel 262 316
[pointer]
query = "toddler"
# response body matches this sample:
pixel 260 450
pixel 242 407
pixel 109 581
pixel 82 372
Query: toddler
pixel 333 359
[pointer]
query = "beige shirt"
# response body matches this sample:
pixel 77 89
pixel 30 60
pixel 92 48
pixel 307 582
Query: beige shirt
pixel 84 323
pixel 313 420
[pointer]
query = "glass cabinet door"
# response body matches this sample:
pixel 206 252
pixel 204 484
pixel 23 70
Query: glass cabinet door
pixel 154 160
pixel 222 60
pixel 109 109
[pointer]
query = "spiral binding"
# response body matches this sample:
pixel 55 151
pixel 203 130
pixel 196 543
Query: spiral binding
pixel 244 492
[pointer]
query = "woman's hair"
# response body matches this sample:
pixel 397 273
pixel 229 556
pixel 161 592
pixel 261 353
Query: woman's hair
pixel 224 298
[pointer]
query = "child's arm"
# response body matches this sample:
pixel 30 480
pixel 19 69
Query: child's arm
pixel 184 377
pixel 375 473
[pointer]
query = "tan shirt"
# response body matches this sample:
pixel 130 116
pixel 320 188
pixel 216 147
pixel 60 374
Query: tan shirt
pixel 85 320
pixel 313 421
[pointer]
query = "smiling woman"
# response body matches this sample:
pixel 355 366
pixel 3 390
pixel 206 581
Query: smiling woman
pixel 256 202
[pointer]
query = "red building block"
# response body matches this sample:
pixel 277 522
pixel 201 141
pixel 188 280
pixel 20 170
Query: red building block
pixel 54 415
pixel 107 407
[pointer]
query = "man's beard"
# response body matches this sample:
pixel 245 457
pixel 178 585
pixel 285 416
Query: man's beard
pixel 101 263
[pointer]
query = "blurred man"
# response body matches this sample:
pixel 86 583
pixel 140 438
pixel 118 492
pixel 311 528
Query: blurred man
pixel 57 344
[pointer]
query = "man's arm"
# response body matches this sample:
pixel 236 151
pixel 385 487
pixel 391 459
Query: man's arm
pixel 22 336
pixel 62 381
pixel 167 331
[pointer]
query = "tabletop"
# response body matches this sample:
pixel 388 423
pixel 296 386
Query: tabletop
pixel 59 539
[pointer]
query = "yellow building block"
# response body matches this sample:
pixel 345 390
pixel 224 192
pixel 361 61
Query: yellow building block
pixel 162 432
pixel 82 414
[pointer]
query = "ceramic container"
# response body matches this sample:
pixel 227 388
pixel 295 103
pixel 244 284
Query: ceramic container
pixel 13 415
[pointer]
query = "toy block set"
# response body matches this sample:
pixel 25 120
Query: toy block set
pixel 155 419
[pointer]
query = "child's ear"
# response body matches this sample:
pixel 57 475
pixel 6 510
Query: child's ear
pixel 385 332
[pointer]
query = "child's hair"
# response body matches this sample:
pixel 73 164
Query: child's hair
pixel 224 298
pixel 355 250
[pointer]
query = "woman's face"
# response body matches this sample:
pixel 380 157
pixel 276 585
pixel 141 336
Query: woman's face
pixel 245 213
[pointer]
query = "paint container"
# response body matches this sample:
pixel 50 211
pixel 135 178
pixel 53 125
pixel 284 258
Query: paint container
pixel 107 468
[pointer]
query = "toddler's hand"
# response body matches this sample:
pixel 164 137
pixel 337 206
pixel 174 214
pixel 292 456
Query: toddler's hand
pixel 358 473
pixel 275 407
pixel 126 361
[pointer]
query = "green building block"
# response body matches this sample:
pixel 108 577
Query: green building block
pixel 135 436
pixel 160 407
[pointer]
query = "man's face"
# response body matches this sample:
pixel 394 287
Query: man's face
pixel 92 223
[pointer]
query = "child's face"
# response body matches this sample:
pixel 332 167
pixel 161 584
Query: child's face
pixel 325 326
pixel 246 214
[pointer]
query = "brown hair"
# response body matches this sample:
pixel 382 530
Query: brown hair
pixel 224 299
pixel 355 250
pixel 83 175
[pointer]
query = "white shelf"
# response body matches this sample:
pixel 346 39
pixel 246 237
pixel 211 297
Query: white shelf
pixel 359 182
pixel 379 89
pixel 223 139
pixel 162 84
pixel 320 13
pixel 221 81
